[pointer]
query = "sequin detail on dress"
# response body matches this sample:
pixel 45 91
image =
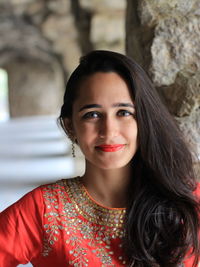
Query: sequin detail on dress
pixel 89 230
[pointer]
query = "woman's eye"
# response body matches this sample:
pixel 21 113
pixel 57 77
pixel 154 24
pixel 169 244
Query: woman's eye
pixel 91 115
pixel 124 113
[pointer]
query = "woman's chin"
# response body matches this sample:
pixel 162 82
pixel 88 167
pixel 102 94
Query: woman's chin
pixel 109 165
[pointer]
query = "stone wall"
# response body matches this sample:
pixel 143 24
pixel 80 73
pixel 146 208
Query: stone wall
pixel 52 35
pixel 107 27
pixel 35 87
pixel 164 37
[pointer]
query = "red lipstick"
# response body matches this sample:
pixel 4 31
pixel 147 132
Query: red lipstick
pixel 110 148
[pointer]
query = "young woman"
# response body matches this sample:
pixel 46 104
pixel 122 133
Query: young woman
pixel 137 203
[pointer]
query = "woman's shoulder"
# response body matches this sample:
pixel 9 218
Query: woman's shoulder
pixel 59 186
pixel 38 196
pixel 56 188
pixel 60 191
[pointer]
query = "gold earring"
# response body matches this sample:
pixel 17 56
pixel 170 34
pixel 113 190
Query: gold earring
pixel 73 150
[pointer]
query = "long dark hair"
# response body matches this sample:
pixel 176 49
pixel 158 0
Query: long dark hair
pixel 162 220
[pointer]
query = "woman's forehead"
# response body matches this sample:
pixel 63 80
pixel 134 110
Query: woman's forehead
pixel 103 85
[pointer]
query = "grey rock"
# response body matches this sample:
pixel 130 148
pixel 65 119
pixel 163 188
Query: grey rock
pixel 164 36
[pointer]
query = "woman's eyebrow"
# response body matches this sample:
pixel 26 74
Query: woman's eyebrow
pixel 124 105
pixel 90 106
pixel 100 106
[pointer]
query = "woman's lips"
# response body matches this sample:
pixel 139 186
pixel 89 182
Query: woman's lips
pixel 110 148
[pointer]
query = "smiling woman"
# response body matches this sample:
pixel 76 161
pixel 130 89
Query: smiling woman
pixel 137 203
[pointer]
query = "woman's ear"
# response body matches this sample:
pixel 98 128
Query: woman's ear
pixel 69 129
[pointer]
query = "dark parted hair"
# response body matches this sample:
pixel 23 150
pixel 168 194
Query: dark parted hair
pixel 162 218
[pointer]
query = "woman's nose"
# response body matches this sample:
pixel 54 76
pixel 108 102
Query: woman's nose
pixel 108 128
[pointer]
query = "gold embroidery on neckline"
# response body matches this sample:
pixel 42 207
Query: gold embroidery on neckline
pixel 91 210
pixel 98 238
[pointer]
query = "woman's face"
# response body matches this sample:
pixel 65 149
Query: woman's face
pixel 103 121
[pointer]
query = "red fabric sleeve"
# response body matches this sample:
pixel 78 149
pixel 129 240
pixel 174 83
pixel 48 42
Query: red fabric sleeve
pixel 197 191
pixel 188 262
pixel 21 230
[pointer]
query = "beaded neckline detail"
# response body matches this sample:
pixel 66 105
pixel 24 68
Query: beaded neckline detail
pixel 90 209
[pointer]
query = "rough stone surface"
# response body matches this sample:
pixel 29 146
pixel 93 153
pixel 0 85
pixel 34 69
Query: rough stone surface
pixel 107 23
pixel 183 96
pixel 60 30
pixel 152 11
pixel 164 36
pixel 35 88
pixel 197 171
pixel 190 126
pixel 56 33
pixel 104 34
pixel 104 5
pixel 138 37
pixel 175 48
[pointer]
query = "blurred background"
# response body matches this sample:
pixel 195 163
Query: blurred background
pixel 41 42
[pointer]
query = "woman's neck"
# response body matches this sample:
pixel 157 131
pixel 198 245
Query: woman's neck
pixel 107 187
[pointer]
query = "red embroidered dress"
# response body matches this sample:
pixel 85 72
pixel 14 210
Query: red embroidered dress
pixel 61 225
